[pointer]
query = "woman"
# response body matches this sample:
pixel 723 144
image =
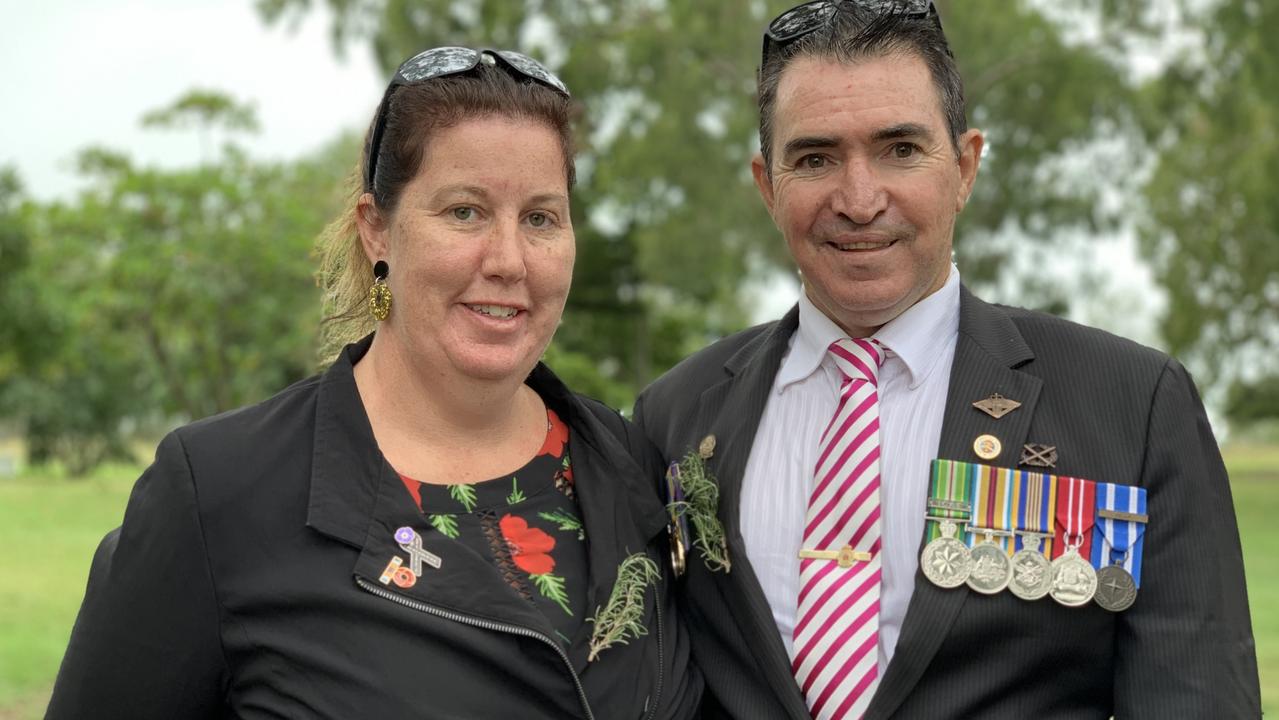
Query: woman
pixel 434 527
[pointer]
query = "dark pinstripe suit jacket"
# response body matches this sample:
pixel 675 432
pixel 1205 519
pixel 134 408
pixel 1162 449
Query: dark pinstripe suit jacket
pixel 1117 412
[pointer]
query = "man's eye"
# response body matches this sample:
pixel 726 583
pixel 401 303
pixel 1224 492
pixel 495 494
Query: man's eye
pixel 812 162
pixel 904 150
pixel 539 220
pixel 463 212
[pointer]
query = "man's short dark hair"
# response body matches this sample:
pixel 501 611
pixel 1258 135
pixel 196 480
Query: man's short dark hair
pixel 855 33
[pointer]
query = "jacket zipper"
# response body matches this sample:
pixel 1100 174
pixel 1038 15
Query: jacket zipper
pixel 493 626
pixel 661 657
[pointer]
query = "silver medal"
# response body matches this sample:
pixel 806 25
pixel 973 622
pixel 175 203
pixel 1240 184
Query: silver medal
pixel 1032 572
pixel 1116 589
pixel 946 561
pixel 991 569
pixel 1074 582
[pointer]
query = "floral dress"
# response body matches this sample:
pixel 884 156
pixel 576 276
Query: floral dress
pixel 527 524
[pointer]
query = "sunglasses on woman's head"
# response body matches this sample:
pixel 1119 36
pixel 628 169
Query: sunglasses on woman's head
pixel 443 62
pixel 807 17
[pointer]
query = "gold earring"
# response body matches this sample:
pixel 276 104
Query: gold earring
pixel 380 293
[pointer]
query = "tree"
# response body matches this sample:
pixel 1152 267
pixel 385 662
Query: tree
pixel 174 294
pixel 670 228
pixel 1212 232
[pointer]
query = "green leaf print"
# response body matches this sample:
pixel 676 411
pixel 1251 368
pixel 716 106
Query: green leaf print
pixel 564 521
pixel 464 494
pixel 446 524
pixel 516 496
pixel 552 587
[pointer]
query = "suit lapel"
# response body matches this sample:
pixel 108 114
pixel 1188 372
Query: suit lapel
pixel 987 354
pixel 731 411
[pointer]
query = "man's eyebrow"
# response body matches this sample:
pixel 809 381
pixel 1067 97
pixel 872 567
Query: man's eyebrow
pixel 902 130
pixel 808 143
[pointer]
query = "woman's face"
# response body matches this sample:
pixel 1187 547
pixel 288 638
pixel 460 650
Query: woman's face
pixel 480 250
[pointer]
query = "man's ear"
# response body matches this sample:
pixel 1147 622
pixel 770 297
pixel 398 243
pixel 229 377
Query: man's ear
pixel 970 146
pixel 372 227
pixel 763 181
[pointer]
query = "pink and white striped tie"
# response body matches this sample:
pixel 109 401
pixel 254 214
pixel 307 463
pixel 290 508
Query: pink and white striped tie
pixel 837 626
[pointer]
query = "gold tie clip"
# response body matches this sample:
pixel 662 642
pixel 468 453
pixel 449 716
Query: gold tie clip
pixel 845 556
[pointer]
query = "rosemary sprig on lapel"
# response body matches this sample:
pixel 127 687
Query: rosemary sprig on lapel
pixel 701 505
pixel 622 616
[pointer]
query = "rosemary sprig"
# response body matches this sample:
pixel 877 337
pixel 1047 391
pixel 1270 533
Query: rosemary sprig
pixel 623 614
pixel 702 506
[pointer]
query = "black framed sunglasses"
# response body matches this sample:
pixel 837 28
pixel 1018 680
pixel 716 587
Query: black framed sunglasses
pixel 444 61
pixel 807 17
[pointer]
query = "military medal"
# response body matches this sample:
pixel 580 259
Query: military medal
pixel 991 569
pixel 1120 527
pixel 677 528
pixel 946 561
pixel 1032 572
pixel 1074 581
pixel 992 494
pixel 1036 509
pixel 1116 590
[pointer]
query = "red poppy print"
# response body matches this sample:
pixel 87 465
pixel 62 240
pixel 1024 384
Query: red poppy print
pixel 530 547
pixel 556 435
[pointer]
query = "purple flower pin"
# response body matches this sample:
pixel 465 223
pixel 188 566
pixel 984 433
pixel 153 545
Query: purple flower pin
pixel 405 535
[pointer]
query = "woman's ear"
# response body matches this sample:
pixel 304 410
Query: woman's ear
pixel 372 227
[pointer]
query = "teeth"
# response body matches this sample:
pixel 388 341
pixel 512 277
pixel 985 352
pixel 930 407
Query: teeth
pixel 862 246
pixel 500 311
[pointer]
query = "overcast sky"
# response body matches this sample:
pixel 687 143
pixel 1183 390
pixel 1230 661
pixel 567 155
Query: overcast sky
pixel 76 73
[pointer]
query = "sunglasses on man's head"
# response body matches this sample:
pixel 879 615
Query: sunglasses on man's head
pixel 807 17
pixel 443 62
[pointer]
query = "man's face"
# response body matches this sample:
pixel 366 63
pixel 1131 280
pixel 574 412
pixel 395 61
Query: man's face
pixel 865 184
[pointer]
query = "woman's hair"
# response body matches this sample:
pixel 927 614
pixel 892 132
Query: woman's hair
pixel 416 113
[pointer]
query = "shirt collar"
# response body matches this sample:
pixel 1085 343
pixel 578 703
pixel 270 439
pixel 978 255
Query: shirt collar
pixel 917 337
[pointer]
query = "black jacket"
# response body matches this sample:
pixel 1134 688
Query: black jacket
pixel 245 583
pixel 1116 412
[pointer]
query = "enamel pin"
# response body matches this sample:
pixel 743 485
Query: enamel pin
pixel 987 447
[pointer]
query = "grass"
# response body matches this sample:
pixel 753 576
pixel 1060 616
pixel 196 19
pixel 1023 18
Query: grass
pixel 50 526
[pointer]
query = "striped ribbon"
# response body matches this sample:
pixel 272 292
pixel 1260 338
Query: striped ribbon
pixel 1036 507
pixel 950 483
pixel 994 499
pixel 1076 509
pixel 1115 540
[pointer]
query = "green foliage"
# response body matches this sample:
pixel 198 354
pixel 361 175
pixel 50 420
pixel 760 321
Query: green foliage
pixel 464 494
pixel 669 224
pixel 1249 403
pixel 445 523
pixel 552 587
pixel 168 294
pixel 702 508
pixel 622 617
pixel 564 522
pixel 1213 228
pixel 516 496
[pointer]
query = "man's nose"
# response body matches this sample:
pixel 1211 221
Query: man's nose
pixel 860 195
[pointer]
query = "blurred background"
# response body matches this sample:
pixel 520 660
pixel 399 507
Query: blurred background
pixel 166 166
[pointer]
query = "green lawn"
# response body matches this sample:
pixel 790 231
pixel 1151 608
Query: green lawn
pixel 49 528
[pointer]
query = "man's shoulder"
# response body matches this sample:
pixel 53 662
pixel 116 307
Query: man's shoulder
pixel 1058 341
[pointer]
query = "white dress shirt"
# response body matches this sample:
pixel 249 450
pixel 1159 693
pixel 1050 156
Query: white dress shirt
pixel 779 473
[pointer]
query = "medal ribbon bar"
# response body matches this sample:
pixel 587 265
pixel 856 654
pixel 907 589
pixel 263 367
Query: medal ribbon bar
pixel 1036 509
pixel 1118 540
pixel 1076 508
pixel 949 494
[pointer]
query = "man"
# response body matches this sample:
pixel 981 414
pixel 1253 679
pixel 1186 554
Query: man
pixel 822 459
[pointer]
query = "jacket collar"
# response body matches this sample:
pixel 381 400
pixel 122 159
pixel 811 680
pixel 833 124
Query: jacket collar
pixel 357 498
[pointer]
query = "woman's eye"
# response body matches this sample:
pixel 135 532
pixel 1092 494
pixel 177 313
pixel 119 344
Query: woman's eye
pixel 463 212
